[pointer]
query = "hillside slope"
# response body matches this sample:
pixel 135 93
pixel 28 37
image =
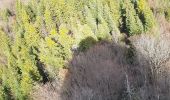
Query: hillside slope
pixel 84 49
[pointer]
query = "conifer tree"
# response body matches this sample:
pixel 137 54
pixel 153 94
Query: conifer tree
pixel 45 31
pixel 145 14
pixel 55 49
pixel 114 6
pixel 90 19
pixel 8 69
pixel 48 19
pixel 133 23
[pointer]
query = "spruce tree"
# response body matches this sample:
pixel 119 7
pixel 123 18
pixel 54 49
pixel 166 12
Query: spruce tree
pixel 145 14
pixel 133 23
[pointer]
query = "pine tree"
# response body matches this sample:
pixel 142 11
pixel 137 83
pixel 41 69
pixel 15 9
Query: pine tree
pixel 26 39
pixel 45 31
pixel 8 68
pixel 55 49
pixel 167 14
pixel 90 19
pixel 48 19
pixel 133 23
pixel 111 24
pixel 114 6
pixel 145 14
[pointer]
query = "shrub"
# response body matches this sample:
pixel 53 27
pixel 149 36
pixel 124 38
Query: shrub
pixel 46 91
pixel 86 43
pixel 93 72
pixel 156 53
pixel 156 50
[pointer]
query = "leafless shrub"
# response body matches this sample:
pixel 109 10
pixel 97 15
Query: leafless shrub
pixel 49 91
pixel 95 74
pixel 163 81
pixel 102 73
pixel 156 51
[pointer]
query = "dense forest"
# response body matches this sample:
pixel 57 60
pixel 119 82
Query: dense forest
pixel 84 49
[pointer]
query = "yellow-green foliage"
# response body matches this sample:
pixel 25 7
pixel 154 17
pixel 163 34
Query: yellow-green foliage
pixel 137 16
pixel 4 43
pixel 103 31
pixel 145 14
pixel 133 23
pixel 86 43
pixel 167 14
pixel 4 14
pixel 48 19
pixel 4 53
pixel 21 60
pixel 8 71
pixel 114 6
pixel 44 32
pixel 81 32
pixel 55 49
pixel 90 19
pixel 26 64
pixel 113 22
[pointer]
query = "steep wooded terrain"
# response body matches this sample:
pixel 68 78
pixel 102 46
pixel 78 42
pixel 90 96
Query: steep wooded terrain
pixel 85 49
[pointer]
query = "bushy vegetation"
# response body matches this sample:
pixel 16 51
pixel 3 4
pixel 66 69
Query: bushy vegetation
pixel 40 37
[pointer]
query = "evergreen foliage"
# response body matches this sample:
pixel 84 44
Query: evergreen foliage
pixel 145 14
pixel 167 14
pixel 133 23
pixel 44 33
